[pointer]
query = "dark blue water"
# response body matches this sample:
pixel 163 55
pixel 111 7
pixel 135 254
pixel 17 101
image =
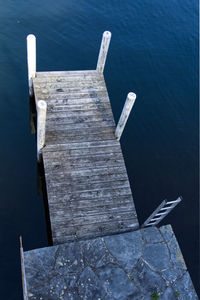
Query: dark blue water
pixel 154 53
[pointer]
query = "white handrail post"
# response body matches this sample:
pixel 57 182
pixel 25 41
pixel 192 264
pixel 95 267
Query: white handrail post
pixel 41 122
pixel 103 51
pixel 130 100
pixel 31 60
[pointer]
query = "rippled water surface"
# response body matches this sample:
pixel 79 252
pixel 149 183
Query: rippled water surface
pixel 154 53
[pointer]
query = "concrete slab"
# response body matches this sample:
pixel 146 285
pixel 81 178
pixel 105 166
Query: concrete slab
pixel 143 264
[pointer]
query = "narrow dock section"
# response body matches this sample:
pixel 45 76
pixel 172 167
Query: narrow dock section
pixel 87 184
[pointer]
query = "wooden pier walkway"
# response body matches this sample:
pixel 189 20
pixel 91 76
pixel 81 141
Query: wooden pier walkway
pixel 87 184
pixel 89 199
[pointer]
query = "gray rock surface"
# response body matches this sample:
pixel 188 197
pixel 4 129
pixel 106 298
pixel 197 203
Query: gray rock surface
pixel 148 280
pixel 158 256
pixel 126 248
pixel 141 265
pixel 152 235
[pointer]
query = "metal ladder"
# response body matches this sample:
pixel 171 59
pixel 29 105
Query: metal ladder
pixel 161 211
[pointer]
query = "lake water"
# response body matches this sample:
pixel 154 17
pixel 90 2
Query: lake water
pixel 154 53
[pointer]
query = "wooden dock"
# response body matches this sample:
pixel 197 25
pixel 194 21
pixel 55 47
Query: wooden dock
pixel 88 189
pixel 90 200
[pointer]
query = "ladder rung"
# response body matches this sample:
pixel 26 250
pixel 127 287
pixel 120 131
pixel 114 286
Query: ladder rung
pixel 162 212
pixel 150 224
pixel 172 202
pixel 159 214
pixel 156 219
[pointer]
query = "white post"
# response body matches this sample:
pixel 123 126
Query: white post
pixel 103 51
pixel 31 59
pixel 130 100
pixel 41 122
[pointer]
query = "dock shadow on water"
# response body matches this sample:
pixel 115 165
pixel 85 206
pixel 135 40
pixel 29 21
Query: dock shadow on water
pixel 41 183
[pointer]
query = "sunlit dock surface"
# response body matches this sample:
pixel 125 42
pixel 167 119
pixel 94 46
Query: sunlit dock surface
pixel 87 184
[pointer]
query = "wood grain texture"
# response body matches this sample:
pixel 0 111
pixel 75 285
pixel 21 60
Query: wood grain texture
pixel 87 184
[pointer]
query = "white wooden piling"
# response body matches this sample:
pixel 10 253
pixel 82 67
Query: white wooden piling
pixel 130 100
pixel 103 51
pixel 31 60
pixel 41 122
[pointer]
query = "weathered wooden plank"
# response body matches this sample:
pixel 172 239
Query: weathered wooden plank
pixel 93 137
pixel 66 73
pixel 68 78
pixel 87 186
pixel 88 183
pixel 85 232
pixel 78 107
pixel 87 145
pixel 53 158
pixel 87 195
pixel 70 83
pixel 86 204
pixel 81 114
pixel 86 163
pixel 87 95
pixel 69 88
pixel 82 125
pixel 61 78
pixel 81 222
pixel 67 117
pixel 53 163
pixel 86 138
pixel 96 229
pixel 61 220
pixel 84 227
pixel 78 102
pixel 78 152
pixel 89 204
pixel 80 132
pixel 71 212
pixel 52 137
pixel 66 89
pixel 79 119
pixel 64 111
pixel 93 205
pixel 70 101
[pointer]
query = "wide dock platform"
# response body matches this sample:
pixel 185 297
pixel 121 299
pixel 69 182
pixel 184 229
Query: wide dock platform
pixel 140 265
pixel 87 184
